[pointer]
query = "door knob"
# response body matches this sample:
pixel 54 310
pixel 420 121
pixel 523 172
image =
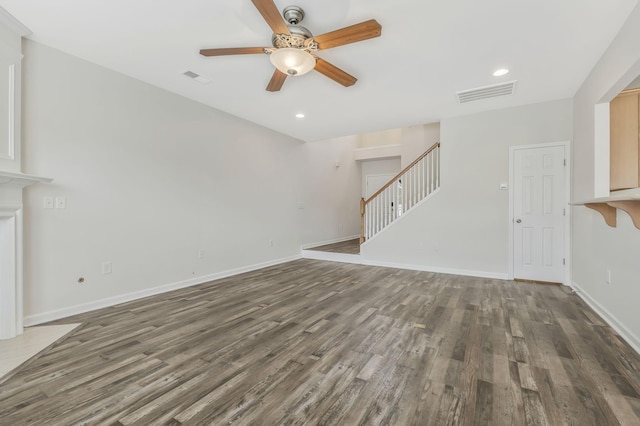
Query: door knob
pixel 518 221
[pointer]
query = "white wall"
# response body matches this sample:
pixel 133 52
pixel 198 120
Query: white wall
pixel 332 206
pixel 598 248
pixel 416 140
pixel 464 227
pixel 382 138
pixel 151 178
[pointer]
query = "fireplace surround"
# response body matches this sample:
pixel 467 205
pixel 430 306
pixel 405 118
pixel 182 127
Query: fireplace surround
pixel 11 250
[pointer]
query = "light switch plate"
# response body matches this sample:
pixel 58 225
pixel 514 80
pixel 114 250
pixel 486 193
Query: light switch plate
pixel 47 203
pixel 61 203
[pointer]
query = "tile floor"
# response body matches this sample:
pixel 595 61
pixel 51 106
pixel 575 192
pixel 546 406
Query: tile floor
pixel 14 352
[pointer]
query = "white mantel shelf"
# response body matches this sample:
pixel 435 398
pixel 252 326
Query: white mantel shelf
pixel 21 179
pixel 628 201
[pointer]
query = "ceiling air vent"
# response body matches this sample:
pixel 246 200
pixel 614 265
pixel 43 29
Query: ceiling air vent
pixel 486 92
pixel 196 77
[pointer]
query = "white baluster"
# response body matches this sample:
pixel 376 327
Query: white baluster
pixel 396 191
pixel 395 200
pixel 421 171
pixel 430 173
pixel 374 217
pixel 392 195
pixel 377 215
pixel 388 206
pixel 418 185
pixel 384 210
pixel 387 201
pixel 380 217
pixel 370 219
pixel 433 167
pixel 413 187
pixel 421 179
pixel 437 167
pixel 425 189
pixel 367 221
pixel 405 192
pixel 387 198
pixel 409 188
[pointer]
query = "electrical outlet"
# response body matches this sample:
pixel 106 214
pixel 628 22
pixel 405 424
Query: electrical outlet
pixel 201 254
pixel 106 268
pixel 609 280
pixel 270 243
pixel 47 203
pixel 61 203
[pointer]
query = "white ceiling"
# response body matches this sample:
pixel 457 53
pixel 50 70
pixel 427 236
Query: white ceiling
pixel 428 50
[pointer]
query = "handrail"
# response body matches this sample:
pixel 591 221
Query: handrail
pixel 396 177
pixel 423 177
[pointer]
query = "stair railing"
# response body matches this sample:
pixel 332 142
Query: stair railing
pixel 400 194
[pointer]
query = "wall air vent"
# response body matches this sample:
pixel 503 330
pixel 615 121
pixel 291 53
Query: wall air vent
pixel 486 92
pixel 197 77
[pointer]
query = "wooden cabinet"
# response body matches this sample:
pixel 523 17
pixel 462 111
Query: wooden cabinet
pixel 625 140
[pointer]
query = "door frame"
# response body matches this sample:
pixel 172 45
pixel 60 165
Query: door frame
pixel 567 217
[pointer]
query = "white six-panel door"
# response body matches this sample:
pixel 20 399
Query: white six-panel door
pixel 539 203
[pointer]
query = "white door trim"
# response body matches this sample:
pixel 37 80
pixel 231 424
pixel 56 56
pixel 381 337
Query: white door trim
pixel 567 218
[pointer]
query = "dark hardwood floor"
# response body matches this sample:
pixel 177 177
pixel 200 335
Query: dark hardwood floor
pixel 346 247
pixel 312 342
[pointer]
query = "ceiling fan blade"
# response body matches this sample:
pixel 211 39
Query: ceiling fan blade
pixel 354 33
pixel 231 51
pixel 334 73
pixel 276 81
pixel 271 14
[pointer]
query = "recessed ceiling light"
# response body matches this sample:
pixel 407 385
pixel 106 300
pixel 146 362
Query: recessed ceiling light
pixel 299 115
pixel 500 72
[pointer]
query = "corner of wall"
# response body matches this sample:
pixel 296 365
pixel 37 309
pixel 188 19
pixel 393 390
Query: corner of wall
pixel 608 317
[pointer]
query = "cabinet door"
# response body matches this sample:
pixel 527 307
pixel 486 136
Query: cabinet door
pixel 625 170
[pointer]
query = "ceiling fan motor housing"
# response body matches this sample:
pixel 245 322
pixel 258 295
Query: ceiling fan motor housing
pixel 293 14
pixel 298 36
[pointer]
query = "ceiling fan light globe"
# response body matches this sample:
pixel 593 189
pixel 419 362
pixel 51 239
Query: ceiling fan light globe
pixel 292 61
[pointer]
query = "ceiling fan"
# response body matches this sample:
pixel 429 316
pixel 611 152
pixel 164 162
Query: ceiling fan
pixel 294 47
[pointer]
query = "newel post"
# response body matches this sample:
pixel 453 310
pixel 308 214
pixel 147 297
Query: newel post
pixel 362 206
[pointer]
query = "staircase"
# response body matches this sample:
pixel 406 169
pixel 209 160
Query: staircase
pixel 412 185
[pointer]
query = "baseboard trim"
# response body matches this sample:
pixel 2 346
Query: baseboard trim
pixel 324 243
pixel 359 260
pixel 128 297
pixel 332 257
pixel 439 270
pixel 609 318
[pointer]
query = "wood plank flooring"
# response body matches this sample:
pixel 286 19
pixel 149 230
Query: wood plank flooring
pixel 312 342
pixel 346 247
